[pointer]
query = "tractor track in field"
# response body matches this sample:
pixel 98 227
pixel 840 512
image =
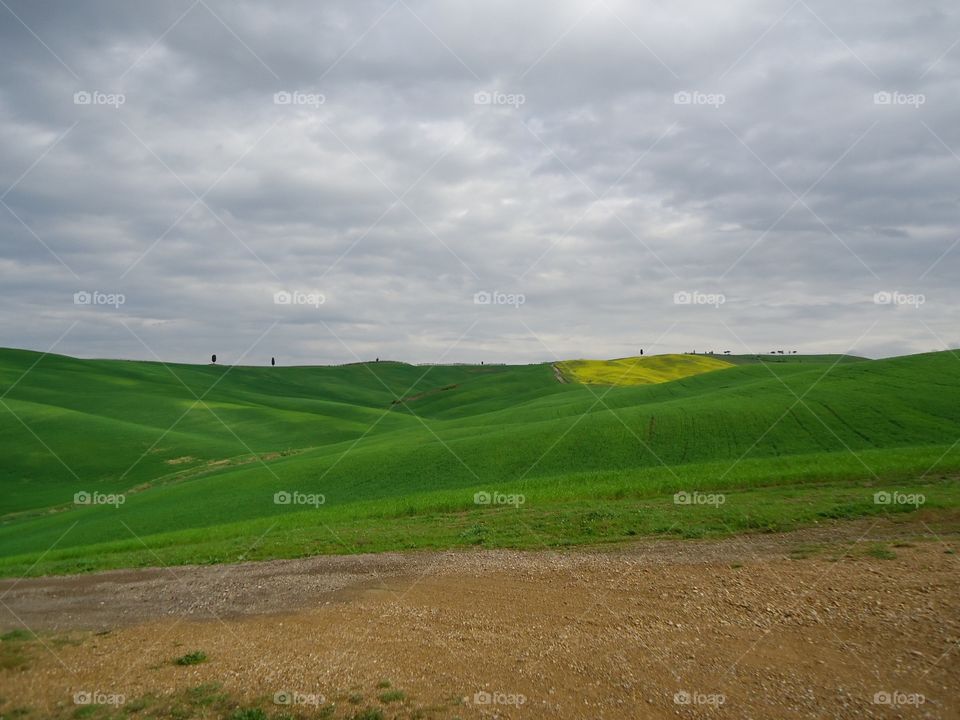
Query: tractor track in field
pixel 558 374
pixel 806 624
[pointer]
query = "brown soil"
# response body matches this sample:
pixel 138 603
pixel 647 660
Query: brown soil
pixel 811 624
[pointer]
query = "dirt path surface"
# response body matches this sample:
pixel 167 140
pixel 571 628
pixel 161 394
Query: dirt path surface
pixel 812 624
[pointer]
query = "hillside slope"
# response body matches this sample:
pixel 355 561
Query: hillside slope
pixel 204 447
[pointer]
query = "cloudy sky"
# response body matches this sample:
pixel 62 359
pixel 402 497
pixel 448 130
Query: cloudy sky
pixel 503 181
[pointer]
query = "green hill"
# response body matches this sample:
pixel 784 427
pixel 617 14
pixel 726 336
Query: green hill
pixel 398 452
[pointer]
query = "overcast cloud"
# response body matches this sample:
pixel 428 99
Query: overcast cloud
pixel 582 163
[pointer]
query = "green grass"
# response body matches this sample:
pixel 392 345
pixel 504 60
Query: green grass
pixel 203 702
pixel 397 453
pixel 194 658
pixel 368 714
pixel 881 552
pixel 392 696
pixel 248 714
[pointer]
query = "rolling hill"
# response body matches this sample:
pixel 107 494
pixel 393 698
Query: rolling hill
pixel 392 455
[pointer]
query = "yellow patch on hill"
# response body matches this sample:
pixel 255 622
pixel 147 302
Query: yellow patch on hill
pixel 646 370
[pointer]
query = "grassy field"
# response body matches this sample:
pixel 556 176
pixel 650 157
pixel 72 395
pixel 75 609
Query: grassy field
pixel 213 464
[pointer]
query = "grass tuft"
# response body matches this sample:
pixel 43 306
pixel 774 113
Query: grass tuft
pixel 194 658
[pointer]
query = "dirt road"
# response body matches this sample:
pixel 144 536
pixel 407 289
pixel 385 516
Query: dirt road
pixel 857 619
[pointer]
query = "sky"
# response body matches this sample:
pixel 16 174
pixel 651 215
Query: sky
pixel 444 181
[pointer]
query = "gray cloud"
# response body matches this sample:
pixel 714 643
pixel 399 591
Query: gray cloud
pixel 585 183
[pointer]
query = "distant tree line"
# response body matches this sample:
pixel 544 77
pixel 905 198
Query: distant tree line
pixel 727 352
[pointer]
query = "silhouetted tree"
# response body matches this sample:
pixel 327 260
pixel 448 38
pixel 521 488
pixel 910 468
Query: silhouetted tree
pixel 213 359
pixel 273 361
pixel 641 352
